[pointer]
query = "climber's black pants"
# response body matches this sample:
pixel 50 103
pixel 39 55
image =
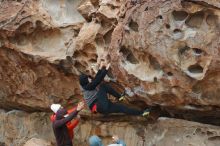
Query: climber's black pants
pixel 105 106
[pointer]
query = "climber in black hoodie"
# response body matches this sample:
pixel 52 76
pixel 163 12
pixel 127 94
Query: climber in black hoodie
pixel 95 94
pixel 59 125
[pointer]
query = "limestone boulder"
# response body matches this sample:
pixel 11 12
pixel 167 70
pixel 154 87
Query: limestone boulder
pixel 37 142
pixel 18 127
pixel 167 50
pixel 164 54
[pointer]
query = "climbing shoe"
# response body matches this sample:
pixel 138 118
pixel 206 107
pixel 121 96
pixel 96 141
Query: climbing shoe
pixel 122 98
pixel 146 113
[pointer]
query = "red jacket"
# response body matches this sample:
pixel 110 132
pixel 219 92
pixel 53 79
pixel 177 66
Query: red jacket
pixel 70 125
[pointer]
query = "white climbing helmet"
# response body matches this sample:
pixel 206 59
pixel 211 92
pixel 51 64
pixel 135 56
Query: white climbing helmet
pixel 55 107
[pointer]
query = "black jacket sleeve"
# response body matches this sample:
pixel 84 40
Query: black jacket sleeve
pixel 97 80
pixel 61 122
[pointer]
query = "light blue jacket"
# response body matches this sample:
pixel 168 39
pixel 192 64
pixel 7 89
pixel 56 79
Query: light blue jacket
pixel 96 141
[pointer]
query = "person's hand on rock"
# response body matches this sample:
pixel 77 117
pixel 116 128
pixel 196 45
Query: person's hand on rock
pixel 102 64
pixel 94 68
pixel 80 106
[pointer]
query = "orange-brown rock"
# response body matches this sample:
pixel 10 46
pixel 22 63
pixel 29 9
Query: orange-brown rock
pixel 164 53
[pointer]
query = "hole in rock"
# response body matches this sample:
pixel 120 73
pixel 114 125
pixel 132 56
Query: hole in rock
pixel 112 7
pixel 69 58
pixel 84 54
pixel 39 23
pixel 195 20
pixel 79 66
pixel 92 60
pixel 179 15
pixel 198 131
pixel 124 51
pixel 76 32
pixel 153 61
pixel 169 73
pixel 23 12
pixel 183 50
pixel 197 51
pixel 108 58
pixel 25 26
pixel 76 54
pixel 108 36
pixel 159 17
pixel 212 20
pixel 214 138
pixel 132 59
pixel 146 9
pixel 203 133
pixel 22 39
pixel 106 24
pixel 167 26
pixel 209 133
pixel 99 40
pixel 177 33
pixel 155 79
pixel 195 68
pixel 133 25
pixel 95 3
pixel 128 55
pixel 89 48
pixel 65 66
pixel 94 56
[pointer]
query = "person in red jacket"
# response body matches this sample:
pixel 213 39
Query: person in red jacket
pixel 70 125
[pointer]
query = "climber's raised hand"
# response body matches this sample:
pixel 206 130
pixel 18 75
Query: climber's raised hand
pixel 102 64
pixel 108 65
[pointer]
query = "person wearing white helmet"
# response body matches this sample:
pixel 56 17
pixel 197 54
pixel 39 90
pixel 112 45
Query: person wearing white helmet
pixel 55 107
pixel 62 124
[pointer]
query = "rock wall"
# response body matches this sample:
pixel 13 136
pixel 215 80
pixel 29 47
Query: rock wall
pixel 164 53
pixel 17 127
pixel 20 128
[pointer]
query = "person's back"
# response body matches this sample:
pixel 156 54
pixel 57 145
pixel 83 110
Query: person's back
pixel 61 131
pixel 70 125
